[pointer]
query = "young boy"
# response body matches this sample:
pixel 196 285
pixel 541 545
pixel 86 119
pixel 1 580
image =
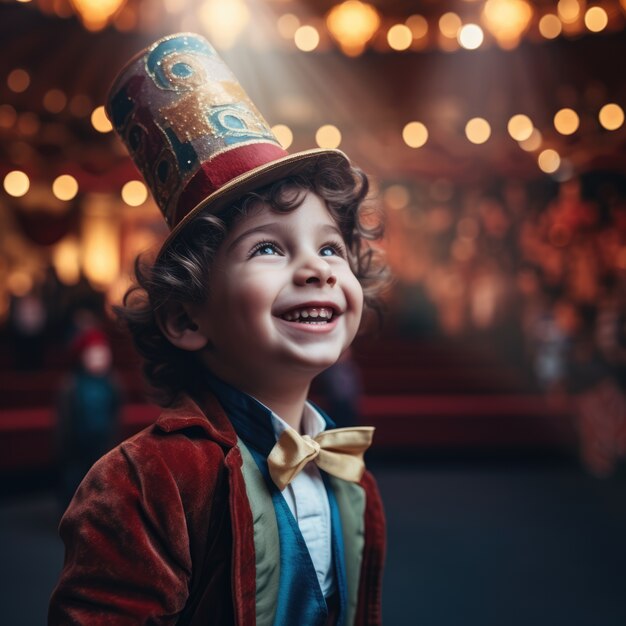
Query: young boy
pixel 241 504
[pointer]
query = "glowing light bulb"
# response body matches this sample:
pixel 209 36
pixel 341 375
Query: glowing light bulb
pixel 415 134
pixel 478 130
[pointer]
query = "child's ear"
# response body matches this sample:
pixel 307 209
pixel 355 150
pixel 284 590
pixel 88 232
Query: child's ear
pixel 179 328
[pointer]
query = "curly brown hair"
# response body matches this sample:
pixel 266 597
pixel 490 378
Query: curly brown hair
pixel 181 273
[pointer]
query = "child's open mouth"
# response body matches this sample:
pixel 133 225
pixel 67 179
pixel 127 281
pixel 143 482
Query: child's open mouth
pixel 309 315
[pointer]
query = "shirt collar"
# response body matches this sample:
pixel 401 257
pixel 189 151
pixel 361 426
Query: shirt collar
pixel 257 425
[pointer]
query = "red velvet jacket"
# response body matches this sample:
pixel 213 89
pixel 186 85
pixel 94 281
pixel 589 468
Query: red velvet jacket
pixel 161 532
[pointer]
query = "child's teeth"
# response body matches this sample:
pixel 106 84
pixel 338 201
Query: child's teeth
pixel 304 314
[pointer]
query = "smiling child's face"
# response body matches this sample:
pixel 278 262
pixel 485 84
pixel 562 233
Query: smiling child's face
pixel 283 299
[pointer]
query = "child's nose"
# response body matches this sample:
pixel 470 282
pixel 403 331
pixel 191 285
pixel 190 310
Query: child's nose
pixel 315 270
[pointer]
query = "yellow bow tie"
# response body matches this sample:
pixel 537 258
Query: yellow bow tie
pixel 338 452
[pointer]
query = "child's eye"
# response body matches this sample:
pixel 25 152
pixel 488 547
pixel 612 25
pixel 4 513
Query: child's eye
pixel 333 249
pixel 265 248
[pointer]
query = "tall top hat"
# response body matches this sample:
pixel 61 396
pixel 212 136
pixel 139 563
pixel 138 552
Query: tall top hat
pixel 193 132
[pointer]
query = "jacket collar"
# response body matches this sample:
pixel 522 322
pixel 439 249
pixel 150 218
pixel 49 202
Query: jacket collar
pixel 207 415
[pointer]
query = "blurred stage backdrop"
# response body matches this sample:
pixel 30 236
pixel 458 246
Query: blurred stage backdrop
pixel 494 133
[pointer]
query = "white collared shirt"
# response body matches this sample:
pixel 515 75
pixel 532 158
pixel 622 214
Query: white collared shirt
pixel 307 499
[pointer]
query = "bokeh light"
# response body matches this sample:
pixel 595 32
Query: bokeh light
pixel 54 100
pixel 533 142
pixel 18 80
pixel 352 24
pixel 100 121
pixel 471 36
pixel 16 183
pixel 396 197
pixel 520 127
pixel 399 37
pixel 328 136
pixel 596 19
pixel 549 161
pixel 478 130
pixel 566 121
pixel 306 38
pixel 65 187
pixel 550 26
pixel 287 25
pixel 418 25
pixel 283 134
pixel 415 134
pixel 611 116
pixel 134 193
pixel 569 10
pixel 449 24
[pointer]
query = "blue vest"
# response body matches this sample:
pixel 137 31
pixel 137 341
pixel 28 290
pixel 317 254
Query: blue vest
pixel 299 598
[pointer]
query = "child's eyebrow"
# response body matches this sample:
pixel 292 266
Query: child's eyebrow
pixel 273 226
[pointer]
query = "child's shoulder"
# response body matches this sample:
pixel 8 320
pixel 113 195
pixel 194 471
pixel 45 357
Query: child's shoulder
pixel 181 448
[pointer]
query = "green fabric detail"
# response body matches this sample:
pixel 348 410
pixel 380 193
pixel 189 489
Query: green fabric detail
pixel 266 541
pixel 351 502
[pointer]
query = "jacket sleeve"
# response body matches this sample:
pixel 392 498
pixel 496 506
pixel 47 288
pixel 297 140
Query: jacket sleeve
pixel 369 605
pixel 127 555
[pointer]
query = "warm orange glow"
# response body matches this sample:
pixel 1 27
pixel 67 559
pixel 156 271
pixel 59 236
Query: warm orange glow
pixel 449 24
pixel 287 25
pixel 65 187
pixel 328 136
pixel 507 20
pixel 478 130
pixel 224 21
pixel 306 38
pixel 100 121
pixel 399 37
pixel 550 26
pixel 283 134
pixel 18 80
pixel 352 24
pixel 569 11
pixel 8 116
pixel 65 258
pixel 100 242
pixel 566 121
pixel 611 116
pixel 533 142
pixel 16 183
pixel 520 127
pixel 134 193
pixel 54 100
pixel 549 161
pixel 415 134
pixel 596 19
pixel 96 14
pixel 418 26
pixel 396 197
pixel 19 283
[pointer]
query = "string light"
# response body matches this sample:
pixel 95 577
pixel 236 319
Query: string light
pixel 596 19
pixel 566 121
pixel 16 183
pixel 100 121
pixel 399 37
pixel 415 134
pixel 520 127
pixel 449 24
pixel 328 136
pixel 533 142
pixel 134 193
pixel 611 116
pixel 65 187
pixel 306 38
pixel 18 80
pixel 352 24
pixel 478 130
pixel 549 161
pixel 283 134
pixel 550 26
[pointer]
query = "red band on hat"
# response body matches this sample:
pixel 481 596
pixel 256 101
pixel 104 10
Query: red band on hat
pixel 221 169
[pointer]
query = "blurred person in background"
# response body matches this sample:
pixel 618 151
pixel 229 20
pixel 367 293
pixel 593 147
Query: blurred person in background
pixel 88 411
